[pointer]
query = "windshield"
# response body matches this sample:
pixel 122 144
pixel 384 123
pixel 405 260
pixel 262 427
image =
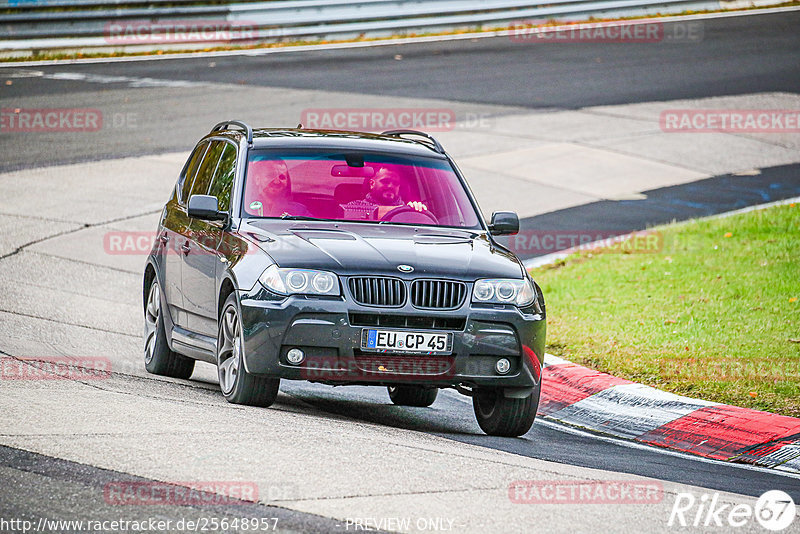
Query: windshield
pixel 350 186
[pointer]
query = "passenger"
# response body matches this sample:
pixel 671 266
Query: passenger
pixel 382 197
pixel 269 190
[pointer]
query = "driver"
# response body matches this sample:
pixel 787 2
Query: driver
pixel 383 196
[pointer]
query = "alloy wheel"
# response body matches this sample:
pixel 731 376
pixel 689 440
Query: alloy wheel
pixel 151 316
pixel 230 354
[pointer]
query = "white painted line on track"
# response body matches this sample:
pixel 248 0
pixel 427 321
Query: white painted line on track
pixel 379 42
pixel 755 207
pixel 635 445
pixel 99 78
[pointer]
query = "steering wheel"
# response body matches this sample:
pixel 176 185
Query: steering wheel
pixel 407 214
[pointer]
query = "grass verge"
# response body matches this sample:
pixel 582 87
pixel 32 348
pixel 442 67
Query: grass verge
pixel 714 314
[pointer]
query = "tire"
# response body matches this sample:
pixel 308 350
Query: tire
pixel 412 395
pixel 237 385
pixel 501 416
pixel 159 359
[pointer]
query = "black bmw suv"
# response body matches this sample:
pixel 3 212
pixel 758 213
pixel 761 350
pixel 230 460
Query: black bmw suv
pixel 341 258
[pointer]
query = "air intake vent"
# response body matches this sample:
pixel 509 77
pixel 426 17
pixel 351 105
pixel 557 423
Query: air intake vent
pixel 438 294
pixel 408 321
pixel 374 291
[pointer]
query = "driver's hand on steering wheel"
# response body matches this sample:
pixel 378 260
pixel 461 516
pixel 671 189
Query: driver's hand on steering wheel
pixel 418 206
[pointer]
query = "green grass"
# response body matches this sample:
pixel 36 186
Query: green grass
pixel 714 314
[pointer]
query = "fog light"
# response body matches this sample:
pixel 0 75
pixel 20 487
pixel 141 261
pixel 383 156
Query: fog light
pixel 502 366
pixel 295 356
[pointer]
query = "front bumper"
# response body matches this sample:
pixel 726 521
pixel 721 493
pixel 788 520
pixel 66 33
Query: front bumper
pixel 329 332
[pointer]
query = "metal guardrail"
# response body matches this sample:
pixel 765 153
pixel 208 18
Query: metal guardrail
pixel 104 24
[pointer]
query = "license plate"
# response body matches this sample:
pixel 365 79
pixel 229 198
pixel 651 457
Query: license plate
pixel 405 341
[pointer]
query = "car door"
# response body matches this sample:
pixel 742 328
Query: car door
pixel 200 257
pixel 222 188
pixel 173 231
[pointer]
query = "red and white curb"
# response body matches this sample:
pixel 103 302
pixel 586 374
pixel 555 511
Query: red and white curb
pixel 580 397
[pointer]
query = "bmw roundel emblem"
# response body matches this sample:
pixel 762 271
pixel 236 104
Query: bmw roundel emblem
pixel 405 268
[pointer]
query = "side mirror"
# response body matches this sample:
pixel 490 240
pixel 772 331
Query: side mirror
pixel 205 207
pixel 504 223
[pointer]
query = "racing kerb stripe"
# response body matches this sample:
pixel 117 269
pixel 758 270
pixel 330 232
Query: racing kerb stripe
pixel 723 432
pixel 581 397
pixel 567 384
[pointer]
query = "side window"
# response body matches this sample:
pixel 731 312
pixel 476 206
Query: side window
pixel 203 179
pixel 191 170
pixel 222 183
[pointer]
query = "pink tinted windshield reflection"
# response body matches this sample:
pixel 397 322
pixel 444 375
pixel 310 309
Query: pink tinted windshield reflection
pixel 408 193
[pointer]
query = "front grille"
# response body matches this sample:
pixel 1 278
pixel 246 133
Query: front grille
pixel 375 291
pixel 401 321
pixel 437 294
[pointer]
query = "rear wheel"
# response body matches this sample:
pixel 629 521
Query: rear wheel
pixel 498 415
pixel 412 395
pixel 158 358
pixel 237 385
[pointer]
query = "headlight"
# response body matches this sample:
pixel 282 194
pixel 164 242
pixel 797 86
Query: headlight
pixel 299 281
pixel 501 291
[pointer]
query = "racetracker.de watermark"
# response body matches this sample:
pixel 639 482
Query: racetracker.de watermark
pixel 148 493
pixel 369 367
pixel 54 368
pixel 730 120
pixel 585 492
pixel 541 32
pixel 194 243
pixel 732 370
pixel 547 241
pixel 133 32
pixel 205 523
pixel 381 119
pixel 50 120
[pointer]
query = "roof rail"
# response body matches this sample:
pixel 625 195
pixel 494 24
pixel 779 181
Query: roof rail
pixel 399 133
pixel 241 124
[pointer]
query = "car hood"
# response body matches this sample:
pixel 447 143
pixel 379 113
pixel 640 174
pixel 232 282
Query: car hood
pixel 352 248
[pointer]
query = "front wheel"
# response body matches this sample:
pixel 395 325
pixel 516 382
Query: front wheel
pixel 412 395
pixel 498 415
pixel 237 385
pixel 159 359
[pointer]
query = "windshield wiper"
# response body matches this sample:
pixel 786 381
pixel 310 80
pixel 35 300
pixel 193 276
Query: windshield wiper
pixel 287 217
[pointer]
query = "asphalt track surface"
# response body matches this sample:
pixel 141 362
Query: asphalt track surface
pixel 545 441
pixel 55 488
pixel 702 198
pixel 736 56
